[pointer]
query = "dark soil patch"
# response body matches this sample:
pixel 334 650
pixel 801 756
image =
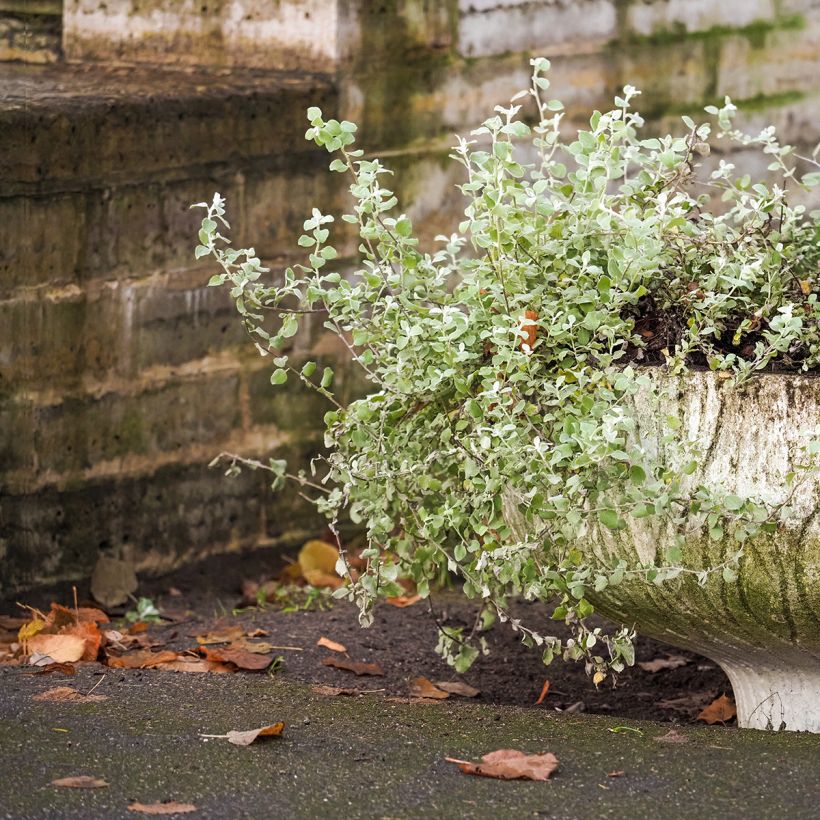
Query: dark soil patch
pixel 402 642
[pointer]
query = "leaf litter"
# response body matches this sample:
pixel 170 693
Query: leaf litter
pixel 245 738
pixel 168 807
pixel 510 764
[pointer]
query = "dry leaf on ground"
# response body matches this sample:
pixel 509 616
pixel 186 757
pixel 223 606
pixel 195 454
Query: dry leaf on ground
pixel 689 704
pixel 672 736
pixel 169 807
pixel 60 648
pixel 402 601
pixel 226 635
pixel 719 711
pixel 142 659
pixel 331 645
pixel 91 636
pixel 82 781
pixel 246 738
pixel 62 615
pixel 619 773
pixel 544 692
pixel 353 666
pixel 188 663
pixel 423 688
pixel 510 764
pixel 332 691
pixel 659 664
pixel 62 668
pixel 241 658
pixel 318 557
pixel 458 688
pixel 67 694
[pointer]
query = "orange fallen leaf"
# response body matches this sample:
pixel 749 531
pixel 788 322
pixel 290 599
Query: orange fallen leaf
pixel 458 688
pixel 719 711
pixel 142 659
pixel 321 579
pixel 331 645
pixel 659 664
pixel 66 694
pixel 510 764
pixel 62 615
pixel 169 807
pixel 246 738
pixel 188 663
pixel 403 600
pixel 82 781
pixel 352 666
pixel 251 661
pixel 91 636
pixel 60 648
pixel 423 688
pixel 138 628
pixel 544 692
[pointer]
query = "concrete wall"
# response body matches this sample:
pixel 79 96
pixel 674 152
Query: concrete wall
pixel 121 374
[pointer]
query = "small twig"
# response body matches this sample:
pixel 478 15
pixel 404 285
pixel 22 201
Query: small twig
pixel 95 685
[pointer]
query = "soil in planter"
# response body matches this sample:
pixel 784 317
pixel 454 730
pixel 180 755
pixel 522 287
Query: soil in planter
pixel 202 598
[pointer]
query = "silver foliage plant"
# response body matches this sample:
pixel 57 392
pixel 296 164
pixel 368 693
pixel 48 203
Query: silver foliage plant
pixel 502 362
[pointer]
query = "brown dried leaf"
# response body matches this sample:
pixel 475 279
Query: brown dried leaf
pixel 246 738
pixel 82 781
pixel 227 635
pixel 169 807
pixel 259 647
pixel 672 736
pixel 719 711
pixel 62 668
pixel 402 601
pixel 331 645
pixel 510 764
pixel 66 694
pixel 188 663
pixel 423 688
pixel 669 662
pixel 619 773
pixel 142 659
pixel 544 692
pixel 689 704
pixel 458 688
pixel 60 648
pixel 62 615
pixel 352 666
pixel 332 691
pixel 324 580
pixel 91 636
pixel 251 661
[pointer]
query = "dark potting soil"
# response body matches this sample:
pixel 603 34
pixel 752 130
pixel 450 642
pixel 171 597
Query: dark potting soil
pixel 402 641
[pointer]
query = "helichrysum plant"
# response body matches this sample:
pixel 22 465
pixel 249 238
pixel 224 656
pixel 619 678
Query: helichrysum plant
pixel 503 363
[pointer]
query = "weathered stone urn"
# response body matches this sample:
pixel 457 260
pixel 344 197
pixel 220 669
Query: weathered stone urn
pixel 764 627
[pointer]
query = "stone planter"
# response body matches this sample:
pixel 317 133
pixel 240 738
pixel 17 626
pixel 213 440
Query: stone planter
pixel 763 628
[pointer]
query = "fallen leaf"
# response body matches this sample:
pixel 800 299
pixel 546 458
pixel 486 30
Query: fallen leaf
pixel 259 647
pixel 174 592
pixel 423 688
pixel 544 692
pixel 510 764
pixel 66 694
pixel 672 736
pixel 82 781
pixel 248 737
pixel 251 661
pixel 141 659
pixel 403 600
pixel 331 645
pixel 615 774
pixel 60 648
pixel 321 579
pixel 689 704
pixel 91 636
pixel 138 627
pixel 352 666
pixel 805 287
pixel 458 688
pixel 61 615
pixel 29 629
pixel 333 691
pixel 669 662
pixel 257 633
pixel 318 555
pixel 719 711
pixel 62 668
pixel 169 807
pixel 227 635
pixel 188 663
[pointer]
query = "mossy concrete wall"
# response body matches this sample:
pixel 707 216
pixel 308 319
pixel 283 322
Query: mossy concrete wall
pixel 121 374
